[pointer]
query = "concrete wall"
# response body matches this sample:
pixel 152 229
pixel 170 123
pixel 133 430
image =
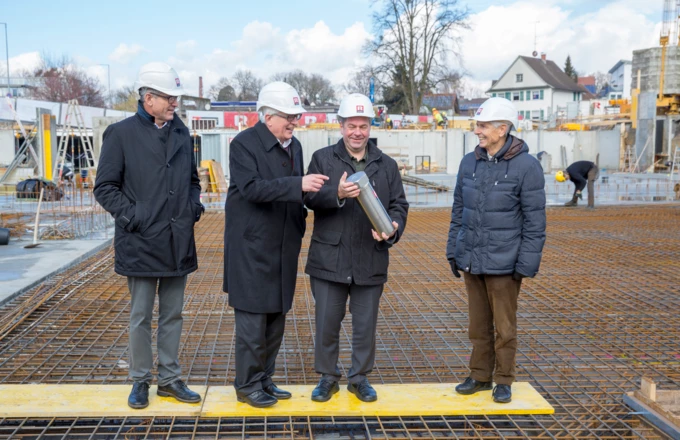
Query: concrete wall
pixel 447 148
pixel 6 147
pixel 648 61
pixel 99 125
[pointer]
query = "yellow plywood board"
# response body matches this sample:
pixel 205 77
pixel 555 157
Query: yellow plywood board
pixel 43 400
pixel 393 400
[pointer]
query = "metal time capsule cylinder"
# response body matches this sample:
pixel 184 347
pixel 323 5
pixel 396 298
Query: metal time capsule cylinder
pixel 371 204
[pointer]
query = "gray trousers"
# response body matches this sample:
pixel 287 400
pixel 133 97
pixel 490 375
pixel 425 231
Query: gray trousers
pixel 170 303
pixel 331 304
pixel 258 339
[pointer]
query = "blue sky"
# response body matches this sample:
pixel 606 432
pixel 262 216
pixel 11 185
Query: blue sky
pixel 214 38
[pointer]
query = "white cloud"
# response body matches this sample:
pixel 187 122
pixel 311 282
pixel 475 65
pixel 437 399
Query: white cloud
pixel 265 50
pixel 123 54
pixel 187 49
pixel 20 63
pixel 595 41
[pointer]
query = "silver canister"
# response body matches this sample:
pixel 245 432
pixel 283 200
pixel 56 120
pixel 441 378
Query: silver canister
pixel 371 204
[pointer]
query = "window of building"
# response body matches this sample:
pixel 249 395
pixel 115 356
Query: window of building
pixel 493 95
pixel 519 78
pixel 535 114
pixel 528 95
pixel 515 96
pixel 535 94
pixel 507 96
pixel 541 115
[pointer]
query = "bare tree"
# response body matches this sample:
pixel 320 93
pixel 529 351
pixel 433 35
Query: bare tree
pixel 360 82
pixel 414 39
pixel 246 85
pixel 222 91
pixel 601 82
pixel 125 99
pixel 313 88
pixel 60 80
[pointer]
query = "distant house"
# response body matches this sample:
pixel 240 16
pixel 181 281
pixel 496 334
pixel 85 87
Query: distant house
pixel 468 107
pixel 442 101
pixel 620 80
pixel 589 83
pixel 537 87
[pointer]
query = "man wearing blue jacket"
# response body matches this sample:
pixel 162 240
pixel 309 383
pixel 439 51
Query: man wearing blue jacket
pixel 496 238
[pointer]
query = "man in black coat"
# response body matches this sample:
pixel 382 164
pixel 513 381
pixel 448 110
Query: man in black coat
pixel 264 225
pixel 582 173
pixel 147 180
pixel 347 258
pixel 496 237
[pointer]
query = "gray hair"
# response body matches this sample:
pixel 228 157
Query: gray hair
pixel 266 111
pixel 143 91
pixel 341 120
pixel 498 124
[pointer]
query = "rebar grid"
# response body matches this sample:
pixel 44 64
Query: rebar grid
pixel 602 313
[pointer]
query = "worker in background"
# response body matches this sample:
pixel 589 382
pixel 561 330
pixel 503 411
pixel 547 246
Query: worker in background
pixel 582 173
pixel 347 258
pixel 264 225
pixel 389 123
pixel 438 118
pixel 496 238
pixel 147 179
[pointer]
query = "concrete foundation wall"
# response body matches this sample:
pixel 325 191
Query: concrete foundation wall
pixel 447 148
pixel 648 61
pixel 6 147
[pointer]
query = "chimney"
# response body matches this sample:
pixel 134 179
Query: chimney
pixel 543 56
pixel 200 87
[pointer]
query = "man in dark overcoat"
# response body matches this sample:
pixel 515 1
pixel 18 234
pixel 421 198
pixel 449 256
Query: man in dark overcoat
pixel 147 180
pixel 264 226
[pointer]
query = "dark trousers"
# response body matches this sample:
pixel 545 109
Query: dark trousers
pixel 492 302
pixel 592 178
pixel 331 304
pixel 170 303
pixel 258 339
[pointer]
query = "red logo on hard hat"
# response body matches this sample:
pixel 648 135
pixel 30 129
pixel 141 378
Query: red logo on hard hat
pixel 479 112
pixel 296 101
pixel 177 81
pixel 360 108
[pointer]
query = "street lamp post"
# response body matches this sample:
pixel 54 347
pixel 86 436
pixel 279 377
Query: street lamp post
pixel 108 74
pixel 9 91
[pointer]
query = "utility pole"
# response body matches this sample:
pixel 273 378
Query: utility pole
pixel 9 91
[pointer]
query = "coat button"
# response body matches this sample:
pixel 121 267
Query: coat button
pixel 349 278
pixel 283 163
pixel 467 269
pixel 173 219
pixel 172 192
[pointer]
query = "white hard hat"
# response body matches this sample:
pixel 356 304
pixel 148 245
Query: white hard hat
pixel 280 96
pixel 497 109
pixel 161 77
pixel 356 104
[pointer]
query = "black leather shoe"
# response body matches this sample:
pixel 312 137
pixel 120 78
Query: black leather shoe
pixel 471 386
pixel 363 390
pixel 277 392
pixel 502 394
pixel 325 390
pixel 139 396
pixel 258 399
pixel 179 391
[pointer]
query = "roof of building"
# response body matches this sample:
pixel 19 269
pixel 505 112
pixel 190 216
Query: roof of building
pixel 470 104
pixel 618 64
pixel 586 80
pixel 552 74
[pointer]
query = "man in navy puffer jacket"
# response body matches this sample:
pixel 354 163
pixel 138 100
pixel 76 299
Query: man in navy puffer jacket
pixel 496 238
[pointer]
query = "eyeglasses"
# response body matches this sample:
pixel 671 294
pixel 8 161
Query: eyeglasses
pixel 289 118
pixel 170 99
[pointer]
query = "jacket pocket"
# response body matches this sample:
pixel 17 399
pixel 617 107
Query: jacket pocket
pixel 503 249
pixel 139 222
pixel 325 250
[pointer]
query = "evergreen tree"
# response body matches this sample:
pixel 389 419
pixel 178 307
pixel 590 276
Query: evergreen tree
pixel 569 69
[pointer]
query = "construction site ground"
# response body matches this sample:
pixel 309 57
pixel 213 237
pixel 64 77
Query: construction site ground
pixel 602 313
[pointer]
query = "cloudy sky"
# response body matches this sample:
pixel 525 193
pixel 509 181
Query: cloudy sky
pixel 215 38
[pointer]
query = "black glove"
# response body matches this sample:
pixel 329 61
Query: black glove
pixel 517 276
pixel 200 209
pixel 579 194
pixel 454 269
